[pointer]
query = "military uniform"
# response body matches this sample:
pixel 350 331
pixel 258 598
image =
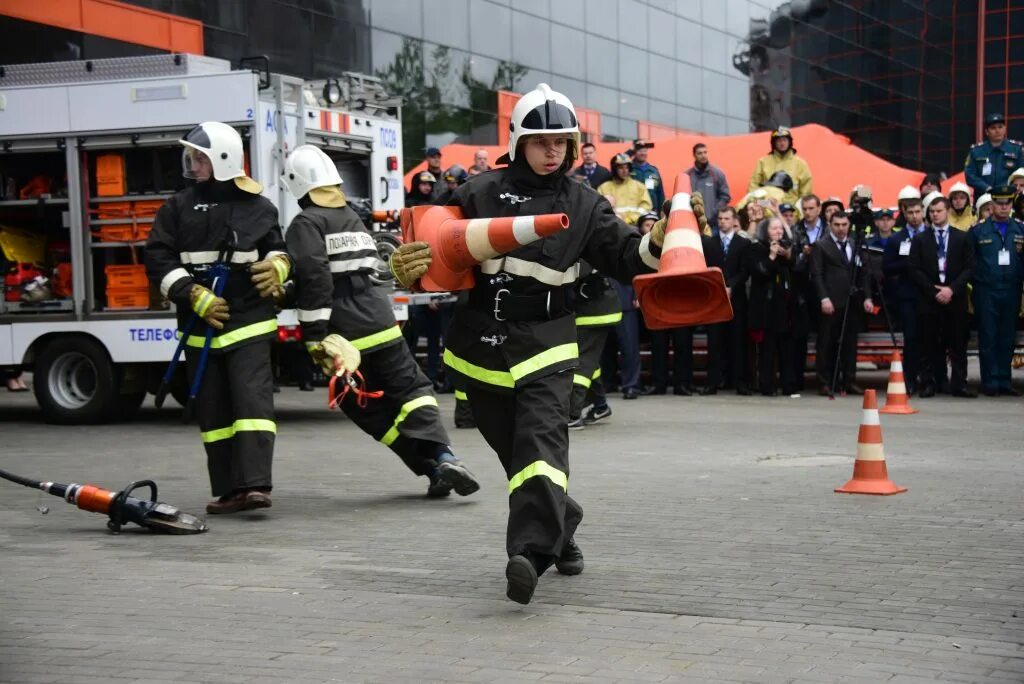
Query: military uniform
pixel 597 312
pixel 998 279
pixel 649 175
pixel 987 167
pixel 235 407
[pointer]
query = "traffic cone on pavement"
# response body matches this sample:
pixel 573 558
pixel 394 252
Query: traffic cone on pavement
pixel 459 244
pixel 896 399
pixel 870 475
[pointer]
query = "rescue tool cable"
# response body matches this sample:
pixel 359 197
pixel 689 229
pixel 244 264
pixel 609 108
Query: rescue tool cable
pixel 122 507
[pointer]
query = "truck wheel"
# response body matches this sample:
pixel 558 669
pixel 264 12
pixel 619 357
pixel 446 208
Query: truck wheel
pixel 75 382
pixel 387 243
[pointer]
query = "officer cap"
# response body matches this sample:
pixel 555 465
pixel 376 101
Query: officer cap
pixel 786 206
pixel 994 118
pixel 433 152
pixel 880 213
pixel 641 144
pixel 1002 193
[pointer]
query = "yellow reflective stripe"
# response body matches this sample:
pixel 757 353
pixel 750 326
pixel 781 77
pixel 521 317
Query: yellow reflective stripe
pixel 606 319
pixel 229 338
pixel 596 374
pixel 407 408
pixel 204 302
pixel 376 338
pixel 470 370
pixel 563 352
pixel 461 396
pixel 241 425
pixel 581 380
pixel 282 267
pixel 538 468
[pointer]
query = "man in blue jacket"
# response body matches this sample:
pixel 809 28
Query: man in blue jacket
pixel 989 163
pixel 648 174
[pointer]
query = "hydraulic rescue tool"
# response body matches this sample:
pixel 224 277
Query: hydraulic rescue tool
pixel 121 507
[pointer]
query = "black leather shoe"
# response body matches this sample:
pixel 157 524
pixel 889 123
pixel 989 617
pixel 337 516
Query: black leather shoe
pixel 522 579
pixel 708 391
pixel 927 391
pixel 630 393
pixel 682 391
pixel 571 560
pixel 965 394
pixel 990 391
pixel 1009 392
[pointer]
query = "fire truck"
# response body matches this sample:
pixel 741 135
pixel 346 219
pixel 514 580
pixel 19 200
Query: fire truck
pixel 90 152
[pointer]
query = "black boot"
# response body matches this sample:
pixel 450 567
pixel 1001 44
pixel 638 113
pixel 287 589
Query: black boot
pixel 522 579
pixel 571 560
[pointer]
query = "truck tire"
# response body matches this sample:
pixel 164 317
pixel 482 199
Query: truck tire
pixel 386 243
pixel 75 382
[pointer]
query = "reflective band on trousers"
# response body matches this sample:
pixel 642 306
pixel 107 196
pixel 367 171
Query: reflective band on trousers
pixel 243 425
pixel 539 468
pixel 407 408
pixel 606 319
pixel 563 352
pixel 392 333
pixel 581 380
pixel 238 335
pixel 461 396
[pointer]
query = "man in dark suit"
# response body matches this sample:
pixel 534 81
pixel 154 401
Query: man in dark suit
pixel 843 288
pixel 728 348
pixel 901 292
pixel 590 171
pixel 941 265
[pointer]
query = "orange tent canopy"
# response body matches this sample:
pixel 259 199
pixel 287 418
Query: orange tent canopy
pixel 836 164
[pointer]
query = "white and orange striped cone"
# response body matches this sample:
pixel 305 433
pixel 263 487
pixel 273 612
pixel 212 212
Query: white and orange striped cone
pixel 870 476
pixel 684 291
pixel 458 244
pixel 896 399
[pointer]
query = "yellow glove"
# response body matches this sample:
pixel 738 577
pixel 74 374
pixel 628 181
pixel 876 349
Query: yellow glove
pixel 409 262
pixel 658 232
pixel 697 203
pixel 209 307
pixel 270 274
pixel 335 355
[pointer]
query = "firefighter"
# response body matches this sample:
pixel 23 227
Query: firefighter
pixel 514 343
pixel 422 190
pixel 627 196
pixel 597 311
pixel 334 256
pixel 961 214
pixel 783 157
pixel 223 219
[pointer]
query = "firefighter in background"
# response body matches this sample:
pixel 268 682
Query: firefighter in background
pixel 453 178
pixel 224 218
pixel 422 190
pixel 334 256
pixel 597 311
pixel 627 196
pixel 514 343
pixel 783 157
pixel 961 214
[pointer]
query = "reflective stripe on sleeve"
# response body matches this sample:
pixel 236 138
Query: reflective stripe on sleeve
pixel 171 278
pixel 392 333
pixel 241 425
pixel 581 380
pixel 349 265
pixel 535 469
pixel 235 336
pixel 646 256
pixel 606 319
pixel 311 315
pixel 407 408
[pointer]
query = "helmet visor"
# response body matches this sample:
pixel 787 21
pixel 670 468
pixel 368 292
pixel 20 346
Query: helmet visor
pixel 195 165
pixel 550 116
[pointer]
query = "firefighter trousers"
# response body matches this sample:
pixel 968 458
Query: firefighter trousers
pixel 406 418
pixel 586 382
pixel 235 410
pixel 528 428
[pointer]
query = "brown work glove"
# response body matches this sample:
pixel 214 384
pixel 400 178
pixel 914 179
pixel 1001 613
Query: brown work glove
pixel 658 231
pixel 409 262
pixel 209 307
pixel 697 203
pixel 270 274
pixel 335 355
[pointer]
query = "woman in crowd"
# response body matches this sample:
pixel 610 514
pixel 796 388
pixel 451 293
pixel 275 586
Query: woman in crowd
pixel 772 305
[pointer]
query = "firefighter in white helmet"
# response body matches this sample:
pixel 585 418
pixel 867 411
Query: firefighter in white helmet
pixel 220 221
pixel 340 306
pixel 906 193
pixel 961 213
pixel 513 345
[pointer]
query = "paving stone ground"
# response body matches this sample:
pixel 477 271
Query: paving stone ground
pixel 715 549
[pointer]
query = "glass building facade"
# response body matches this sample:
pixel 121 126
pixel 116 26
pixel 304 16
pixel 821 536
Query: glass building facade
pixel 899 77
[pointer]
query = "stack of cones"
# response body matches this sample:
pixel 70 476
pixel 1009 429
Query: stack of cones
pixel 896 399
pixel 870 476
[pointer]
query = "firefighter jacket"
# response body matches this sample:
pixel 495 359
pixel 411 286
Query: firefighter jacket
pixel 963 220
pixel 793 165
pixel 631 198
pixel 192 231
pixel 517 325
pixel 334 255
pixel 595 300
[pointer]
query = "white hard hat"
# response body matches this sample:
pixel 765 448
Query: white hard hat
pixel 543 111
pixel 308 168
pixel 1019 173
pixel 960 187
pixel 982 201
pixel 908 192
pixel 931 197
pixel 222 144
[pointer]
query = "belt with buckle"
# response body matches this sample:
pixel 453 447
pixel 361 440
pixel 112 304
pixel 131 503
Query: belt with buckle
pixel 501 302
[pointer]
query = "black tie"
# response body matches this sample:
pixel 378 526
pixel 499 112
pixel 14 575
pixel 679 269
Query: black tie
pixel 842 251
pixel 942 243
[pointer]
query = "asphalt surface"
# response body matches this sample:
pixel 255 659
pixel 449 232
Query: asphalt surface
pixel 715 550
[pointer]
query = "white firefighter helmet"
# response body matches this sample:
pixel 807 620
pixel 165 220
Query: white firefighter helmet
pixel 543 111
pixel 982 201
pixel 908 192
pixel 961 187
pixel 1019 173
pixel 222 145
pixel 931 197
pixel 308 168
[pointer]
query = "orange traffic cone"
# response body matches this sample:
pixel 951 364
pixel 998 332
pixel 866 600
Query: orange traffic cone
pixel 459 244
pixel 684 291
pixel 896 399
pixel 870 475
